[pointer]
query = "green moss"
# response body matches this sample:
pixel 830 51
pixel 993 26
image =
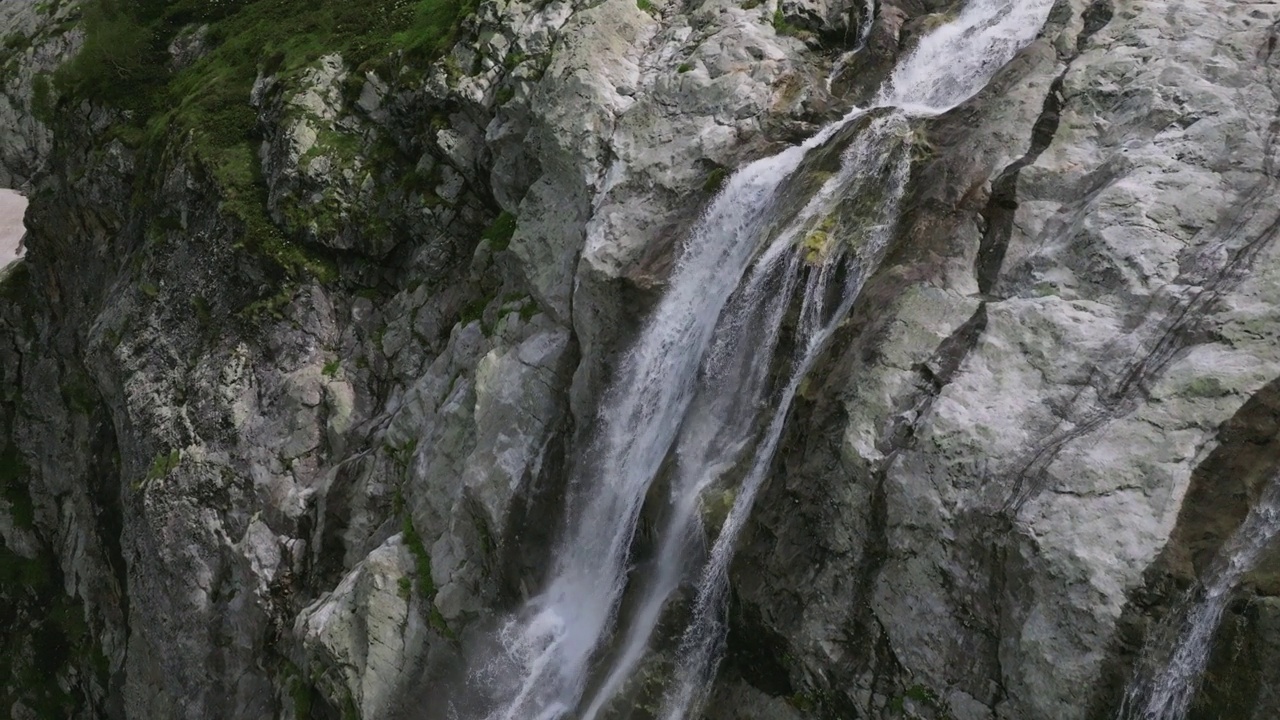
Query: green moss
pixel 715 180
pixel 349 711
pixel 331 368
pixel 78 393
pixel 42 101
pixel 121 62
pixel 522 303
pixel 403 454
pixel 817 242
pixel 15 43
pixel 426 586
pixel 920 695
pixel 51 639
pixel 684 67
pixel 513 59
pixel 161 466
pixel 301 692
pixel 500 231
pixel 440 624
pixel 200 307
pixel 647 6
pixel 780 24
pixel 716 506
pixel 1206 387
pixel 13 488
pixel 272 307
pixel 474 312
pixel 804 702
pixel 204 108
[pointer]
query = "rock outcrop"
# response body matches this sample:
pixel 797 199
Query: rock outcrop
pixel 285 416
pixel 1005 444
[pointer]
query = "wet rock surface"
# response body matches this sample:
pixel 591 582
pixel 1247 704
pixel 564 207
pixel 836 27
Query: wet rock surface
pixel 231 492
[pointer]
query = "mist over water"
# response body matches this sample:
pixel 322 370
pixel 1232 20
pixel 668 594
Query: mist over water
pixel 759 288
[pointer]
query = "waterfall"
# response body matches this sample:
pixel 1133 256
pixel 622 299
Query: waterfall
pixel 736 382
pixel 828 293
pixel 1175 656
pixel 759 288
pixel 550 642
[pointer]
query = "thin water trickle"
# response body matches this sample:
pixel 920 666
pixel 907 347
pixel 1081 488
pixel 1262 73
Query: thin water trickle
pixel 711 380
pixel 1175 656
pixel 864 35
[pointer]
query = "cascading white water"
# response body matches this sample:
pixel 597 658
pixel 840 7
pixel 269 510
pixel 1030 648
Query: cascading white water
pixel 1174 662
pixel 947 68
pixel 843 271
pixel 699 378
pixel 549 644
pixel 735 383
pixel 868 23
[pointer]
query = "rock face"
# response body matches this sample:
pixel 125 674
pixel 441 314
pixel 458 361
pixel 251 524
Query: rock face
pixel 1007 438
pixel 12 207
pixel 293 477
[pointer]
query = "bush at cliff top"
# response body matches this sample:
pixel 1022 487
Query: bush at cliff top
pixel 125 63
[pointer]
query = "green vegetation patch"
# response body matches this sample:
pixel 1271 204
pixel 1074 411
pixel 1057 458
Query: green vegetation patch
pixel 715 180
pixel 426 585
pixel 161 465
pixel 13 479
pixel 780 24
pixel 204 108
pixel 500 231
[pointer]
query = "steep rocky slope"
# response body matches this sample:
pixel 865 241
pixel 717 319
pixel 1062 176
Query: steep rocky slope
pixel 290 390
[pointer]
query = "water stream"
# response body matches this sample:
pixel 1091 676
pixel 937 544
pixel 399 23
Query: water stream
pixel 864 36
pixel 1176 654
pixel 765 278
